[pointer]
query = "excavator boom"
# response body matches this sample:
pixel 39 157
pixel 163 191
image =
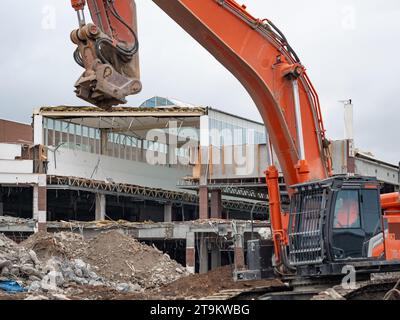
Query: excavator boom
pixel 259 56
pixel 311 239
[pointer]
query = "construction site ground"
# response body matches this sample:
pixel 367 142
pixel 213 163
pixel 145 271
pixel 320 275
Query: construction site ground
pixel 191 287
pixel 110 266
pixel 114 266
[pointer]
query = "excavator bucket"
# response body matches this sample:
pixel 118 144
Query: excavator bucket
pixel 108 51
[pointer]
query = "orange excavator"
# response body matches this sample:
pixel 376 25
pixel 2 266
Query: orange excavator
pixel 333 221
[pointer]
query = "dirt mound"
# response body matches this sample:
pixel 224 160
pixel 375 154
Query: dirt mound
pixel 63 245
pixel 118 257
pixel 204 285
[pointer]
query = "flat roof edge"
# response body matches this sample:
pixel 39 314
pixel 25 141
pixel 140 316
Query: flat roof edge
pixel 70 111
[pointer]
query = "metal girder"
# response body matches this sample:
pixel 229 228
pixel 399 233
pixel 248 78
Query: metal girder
pixel 247 190
pixel 246 193
pixel 259 208
pixel 146 193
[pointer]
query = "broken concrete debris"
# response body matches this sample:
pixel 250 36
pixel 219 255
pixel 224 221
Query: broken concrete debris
pixel 49 264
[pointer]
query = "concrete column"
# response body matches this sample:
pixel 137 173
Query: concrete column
pixel 142 156
pixel 183 212
pixel 351 161
pixel 216 204
pixel 172 158
pixel 215 258
pixel 203 256
pixel 100 207
pixel 40 204
pixel 239 251
pixel 204 158
pixel 190 252
pixel 37 129
pixel 203 202
pixel 168 212
pixel 103 141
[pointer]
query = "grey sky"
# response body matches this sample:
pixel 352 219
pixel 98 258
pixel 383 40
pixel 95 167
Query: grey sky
pixel 349 47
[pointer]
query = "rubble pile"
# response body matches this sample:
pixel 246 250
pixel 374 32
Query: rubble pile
pixel 121 258
pixel 18 263
pixel 53 264
pixel 36 275
pixel 63 244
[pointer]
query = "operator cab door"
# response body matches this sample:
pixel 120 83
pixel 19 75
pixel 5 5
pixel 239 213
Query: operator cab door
pixel 356 224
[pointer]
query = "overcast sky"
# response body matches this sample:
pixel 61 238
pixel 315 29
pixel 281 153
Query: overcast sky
pixel 350 48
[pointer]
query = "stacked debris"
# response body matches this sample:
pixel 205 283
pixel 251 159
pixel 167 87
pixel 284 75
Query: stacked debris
pixel 63 244
pixel 60 273
pixel 111 258
pixel 17 263
pixel 58 265
pixel 121 258
pixel 54 274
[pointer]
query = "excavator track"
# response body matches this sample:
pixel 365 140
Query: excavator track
pixel 375 289
pixel 245 294
pixel 302 289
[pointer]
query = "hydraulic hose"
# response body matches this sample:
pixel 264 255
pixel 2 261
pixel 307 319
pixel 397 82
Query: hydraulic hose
pixel 134 49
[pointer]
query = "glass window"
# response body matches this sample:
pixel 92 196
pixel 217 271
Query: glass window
pixel 78 129
pixel 151 103
pixel 71 128
pixel 57 125
pixel 65 127
pixel 371 213
pixel 91 133
pixel 85 131
pixel 50 123
pixel 347 210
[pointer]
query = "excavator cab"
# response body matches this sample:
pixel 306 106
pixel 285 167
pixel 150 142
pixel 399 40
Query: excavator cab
pixel 334 223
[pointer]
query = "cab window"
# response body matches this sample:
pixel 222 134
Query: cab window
pixel 347 210
pixel 371 212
